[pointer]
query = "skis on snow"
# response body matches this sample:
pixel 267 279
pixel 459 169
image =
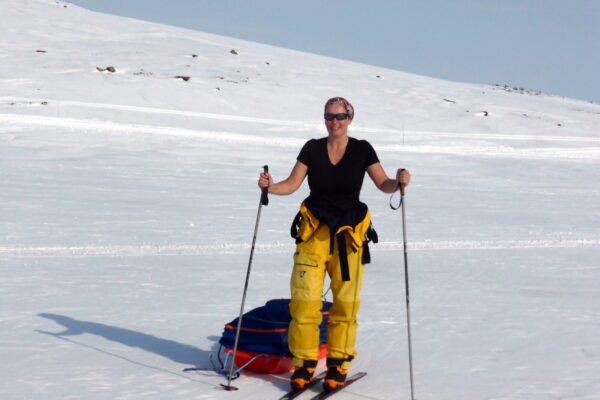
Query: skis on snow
pixel 292 394
pixel 324 394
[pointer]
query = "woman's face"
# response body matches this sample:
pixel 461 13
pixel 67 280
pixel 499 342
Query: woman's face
pixel 334 127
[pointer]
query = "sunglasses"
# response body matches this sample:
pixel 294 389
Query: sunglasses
pixel 339 117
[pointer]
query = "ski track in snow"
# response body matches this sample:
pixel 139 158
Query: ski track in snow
pixel 571 153
pixel 484 146
pixel 277 247
pixel 277 122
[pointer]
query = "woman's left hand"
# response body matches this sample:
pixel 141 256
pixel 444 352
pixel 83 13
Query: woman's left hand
pixel 402 177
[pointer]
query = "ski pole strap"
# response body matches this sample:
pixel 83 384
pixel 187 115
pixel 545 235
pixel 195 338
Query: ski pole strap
pixel 399 203
pixel 264 198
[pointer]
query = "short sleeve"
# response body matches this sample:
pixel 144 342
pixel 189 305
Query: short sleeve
pixel 305 154
pixel 370 154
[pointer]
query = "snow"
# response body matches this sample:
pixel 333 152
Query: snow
pixel 129 201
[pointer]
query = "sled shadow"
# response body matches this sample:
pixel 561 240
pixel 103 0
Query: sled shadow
pixel 175 351
pixel 197 359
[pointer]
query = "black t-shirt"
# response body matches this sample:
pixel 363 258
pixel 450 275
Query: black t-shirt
pixel 336 188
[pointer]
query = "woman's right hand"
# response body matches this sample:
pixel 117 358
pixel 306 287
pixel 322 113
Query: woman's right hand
pixel 264 180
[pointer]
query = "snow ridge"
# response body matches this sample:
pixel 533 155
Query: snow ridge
pixel 279 247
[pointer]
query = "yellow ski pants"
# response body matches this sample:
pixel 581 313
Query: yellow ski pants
pixel 311 261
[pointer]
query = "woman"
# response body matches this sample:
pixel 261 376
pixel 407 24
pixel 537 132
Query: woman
pixel 332 230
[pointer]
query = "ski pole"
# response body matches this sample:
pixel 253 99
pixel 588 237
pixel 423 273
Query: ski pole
pixel 264 200
pixel 410 358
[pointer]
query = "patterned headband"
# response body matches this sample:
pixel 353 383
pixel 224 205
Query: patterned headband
pixel 342 102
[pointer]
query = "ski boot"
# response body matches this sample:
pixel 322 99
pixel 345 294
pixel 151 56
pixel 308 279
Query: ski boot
pixel 336 375
pixel 303 376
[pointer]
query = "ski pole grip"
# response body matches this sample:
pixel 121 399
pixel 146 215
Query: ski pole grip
pixel 402 185
pixel 264 198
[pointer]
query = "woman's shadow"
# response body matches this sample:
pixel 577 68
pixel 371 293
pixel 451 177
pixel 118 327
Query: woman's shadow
pixel 175 351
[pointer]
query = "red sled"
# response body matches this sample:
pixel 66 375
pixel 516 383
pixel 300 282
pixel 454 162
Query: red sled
pixel 267 363
pixel 263 340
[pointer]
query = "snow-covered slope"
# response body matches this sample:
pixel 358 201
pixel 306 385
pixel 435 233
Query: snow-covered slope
pixel 129 199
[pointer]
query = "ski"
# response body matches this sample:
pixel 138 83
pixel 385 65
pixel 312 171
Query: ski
pixel 292 394
pixel 349 381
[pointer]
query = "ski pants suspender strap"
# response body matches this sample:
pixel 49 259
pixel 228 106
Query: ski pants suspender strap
pixel 371 237
pixel 341 241
pixel 366 255
pixel 295 226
